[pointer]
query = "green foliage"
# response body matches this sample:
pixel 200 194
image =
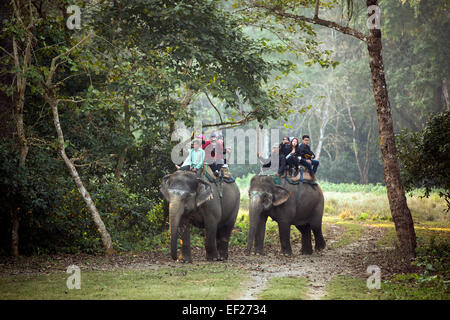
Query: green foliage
pixel 240 232
pixel 424 156
pixel 434 256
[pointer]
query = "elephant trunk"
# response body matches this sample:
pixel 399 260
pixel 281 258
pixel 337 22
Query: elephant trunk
pixel 175 213
pixel 255 212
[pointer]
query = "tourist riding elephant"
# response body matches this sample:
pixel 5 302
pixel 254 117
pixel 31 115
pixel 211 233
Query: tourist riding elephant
pixel 284 206
pixel 194 201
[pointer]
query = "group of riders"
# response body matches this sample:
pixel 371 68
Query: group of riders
pixel 291 154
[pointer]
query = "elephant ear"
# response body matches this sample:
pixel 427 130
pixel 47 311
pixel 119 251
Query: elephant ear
pixel 280 196
pixel 165 186
pixel 204 192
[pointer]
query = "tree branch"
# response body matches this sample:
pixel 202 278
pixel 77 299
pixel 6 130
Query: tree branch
pixel 316 9
pixel 231 124
pixel 220 116
pixel 316 20
pixel 53 64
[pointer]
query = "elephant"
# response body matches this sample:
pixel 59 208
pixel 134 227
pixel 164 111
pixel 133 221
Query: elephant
pixel 197 202
pixel 285 207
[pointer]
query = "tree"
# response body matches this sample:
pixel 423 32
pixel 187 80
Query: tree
pixel 22 45
pixel 41 79
pixel 288 11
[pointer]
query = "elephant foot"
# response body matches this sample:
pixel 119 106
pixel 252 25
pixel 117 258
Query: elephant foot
pixel 223 256
pixel 222 259
pixel 212 258
pixel 184 260
pixel 307 251
pixel 260 253
pixel 286 253
pixel 319 248
pixel 320 245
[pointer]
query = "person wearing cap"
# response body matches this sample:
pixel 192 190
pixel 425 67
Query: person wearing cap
pixel 214 153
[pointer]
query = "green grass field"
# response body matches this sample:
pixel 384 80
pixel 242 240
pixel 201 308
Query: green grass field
pixel 216 282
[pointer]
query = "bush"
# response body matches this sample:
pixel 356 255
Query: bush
pixel 424 159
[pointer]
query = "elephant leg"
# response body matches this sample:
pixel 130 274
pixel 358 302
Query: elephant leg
pixel 285 234
pixel 306 238
pixel 259 236
pixel 186 255
pixel 223 238
pixel 318 238
pixel 210 242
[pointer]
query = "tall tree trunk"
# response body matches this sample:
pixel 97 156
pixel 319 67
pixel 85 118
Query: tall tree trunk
pixel 19 102
pixel 319 145
pixel 397 201
pixel 106 238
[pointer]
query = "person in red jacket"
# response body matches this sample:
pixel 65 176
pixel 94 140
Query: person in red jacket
pixel 214 154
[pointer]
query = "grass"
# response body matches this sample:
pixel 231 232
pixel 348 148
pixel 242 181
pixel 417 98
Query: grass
pixel 352 232
pixel 424 235
pixel 216 282
pixel 409 286
pixel 285 288
pixel 351 187
pixel 375 206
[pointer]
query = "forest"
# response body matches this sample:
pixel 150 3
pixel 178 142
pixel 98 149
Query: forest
pixel 92 92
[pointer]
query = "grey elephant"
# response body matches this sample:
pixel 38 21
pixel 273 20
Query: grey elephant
pixel 285 206
pixel 197 202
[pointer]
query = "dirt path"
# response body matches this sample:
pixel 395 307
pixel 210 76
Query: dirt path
pixel 317 269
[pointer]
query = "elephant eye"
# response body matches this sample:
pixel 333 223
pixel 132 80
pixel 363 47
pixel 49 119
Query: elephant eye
pixel 267 197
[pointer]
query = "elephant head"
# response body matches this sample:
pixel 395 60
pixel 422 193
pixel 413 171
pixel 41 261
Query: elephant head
pixel 185 193
pixel 264 195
